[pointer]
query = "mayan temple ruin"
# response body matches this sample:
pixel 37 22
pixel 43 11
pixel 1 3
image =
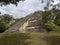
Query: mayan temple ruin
pixel 30 23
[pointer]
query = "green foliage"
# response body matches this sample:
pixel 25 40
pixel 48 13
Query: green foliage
pixel 8 26
pixel 57 20
pixel 5 2
pixel 46 16
pixel 7 18
pixel 53 26
pixel 5 21
pixel 2 27
pixel 50 22
pixel 50 3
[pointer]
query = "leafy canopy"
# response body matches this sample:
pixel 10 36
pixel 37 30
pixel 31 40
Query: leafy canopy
pixel 5 2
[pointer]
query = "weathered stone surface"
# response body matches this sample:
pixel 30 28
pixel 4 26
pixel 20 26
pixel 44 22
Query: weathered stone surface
pixel 30 23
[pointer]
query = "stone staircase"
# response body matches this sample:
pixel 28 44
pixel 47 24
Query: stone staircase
pixel 18 24
pixel 32 23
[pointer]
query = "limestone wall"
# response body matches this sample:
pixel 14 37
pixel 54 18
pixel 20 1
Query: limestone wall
pixel 23 27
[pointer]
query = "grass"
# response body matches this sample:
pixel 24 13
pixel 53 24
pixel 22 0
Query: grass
pixel 30 38
pixel 14 39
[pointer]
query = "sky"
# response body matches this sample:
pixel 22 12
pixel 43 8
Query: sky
pixel 23 8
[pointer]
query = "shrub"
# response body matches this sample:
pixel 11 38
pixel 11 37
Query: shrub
pixel 2 27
